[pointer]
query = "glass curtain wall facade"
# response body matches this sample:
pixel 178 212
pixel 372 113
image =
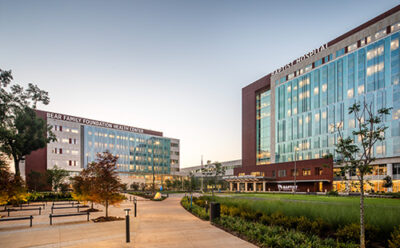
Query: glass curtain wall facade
pixel 263 103
pixel 309 107
pixel 137 152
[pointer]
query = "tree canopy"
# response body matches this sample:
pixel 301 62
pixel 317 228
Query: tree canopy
pixel 99 182
pixel 356 152
pixel 21 130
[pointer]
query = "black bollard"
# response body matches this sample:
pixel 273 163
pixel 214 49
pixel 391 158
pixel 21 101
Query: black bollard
pixel 135 203
pixel 215 210
pixel 128 234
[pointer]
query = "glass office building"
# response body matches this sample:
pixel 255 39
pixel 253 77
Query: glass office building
pixel 312 107
pixel 263 127
pixel 294 113
pixel 137 152
pixel 141 152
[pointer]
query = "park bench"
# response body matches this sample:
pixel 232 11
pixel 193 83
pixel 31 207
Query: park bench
pixel 64 203
pixel 77 207
pixel 8 210
pixel 19 218
pixel 31 205
pixel 51 216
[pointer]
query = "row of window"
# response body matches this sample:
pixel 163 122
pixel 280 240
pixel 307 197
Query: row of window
pixel 68 141
pixel 342 51
pixel 66 151
pixel 283 173
pixel 377 170
pixel 64 163
pixel 65 129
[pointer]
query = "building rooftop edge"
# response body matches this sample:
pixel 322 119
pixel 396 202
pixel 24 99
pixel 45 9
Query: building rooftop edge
pixel 345 35
pixel 121 127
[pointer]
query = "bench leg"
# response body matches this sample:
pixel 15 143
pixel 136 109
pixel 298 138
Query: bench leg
pixel 87 216
pixel 31 220
pixel 40 210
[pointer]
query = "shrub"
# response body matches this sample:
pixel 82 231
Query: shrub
pixel 351 233
pixel 333 193
pixel 195 209
pixel 394 242
pixel 275 236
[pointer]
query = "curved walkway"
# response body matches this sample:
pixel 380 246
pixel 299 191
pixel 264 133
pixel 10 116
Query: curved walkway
pixel 159 224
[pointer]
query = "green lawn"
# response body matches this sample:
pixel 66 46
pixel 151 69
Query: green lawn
pixel 318 198
pixel 338 211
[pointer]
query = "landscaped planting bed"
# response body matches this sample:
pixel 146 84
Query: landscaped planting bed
pixel 324 224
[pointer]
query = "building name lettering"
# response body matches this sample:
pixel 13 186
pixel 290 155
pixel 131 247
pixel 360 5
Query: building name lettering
pixel 93 122
pixel 286 187
pixel 304 57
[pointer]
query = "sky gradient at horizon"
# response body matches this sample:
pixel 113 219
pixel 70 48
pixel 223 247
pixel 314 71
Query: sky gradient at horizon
pixel 171 66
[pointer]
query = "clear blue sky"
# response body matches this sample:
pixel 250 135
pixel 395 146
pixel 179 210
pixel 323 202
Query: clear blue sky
pixel 172 66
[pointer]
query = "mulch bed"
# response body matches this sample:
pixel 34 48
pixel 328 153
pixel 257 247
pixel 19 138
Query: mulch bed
pixel 90 210
pixel 109 218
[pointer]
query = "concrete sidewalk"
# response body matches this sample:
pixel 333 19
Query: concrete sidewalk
pixel 159 224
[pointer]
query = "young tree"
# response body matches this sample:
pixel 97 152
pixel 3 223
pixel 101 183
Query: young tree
pixel 21 130
pixel 219 171
pixel 12 188
pixel 168 184
pixel 82 186
pixel 358 156
pixel 56 177
pixel 106 183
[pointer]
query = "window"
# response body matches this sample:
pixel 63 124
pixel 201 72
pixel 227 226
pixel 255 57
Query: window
pixel 257 174
pixel 380 34
pixel 60 150
pixel 306 172
pixel 395 27
pixel 394 44
pixel 396 169
pixel 318 171
pixel 375 68
pixel 74 130
pixel 339 52
pixel 70 162
pixel 281 173
pixel 241 174
pixel 297 172
pixel 352 47
pixel 350 93
pixel 74 152
pixel 273 173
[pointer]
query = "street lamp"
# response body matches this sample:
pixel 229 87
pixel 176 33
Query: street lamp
pixel 295 167
pixel 128 236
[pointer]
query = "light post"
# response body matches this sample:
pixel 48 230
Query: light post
pixel 152 156
pixel 295 167
pixel 128 236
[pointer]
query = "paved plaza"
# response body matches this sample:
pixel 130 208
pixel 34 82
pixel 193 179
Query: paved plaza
pixel 159 224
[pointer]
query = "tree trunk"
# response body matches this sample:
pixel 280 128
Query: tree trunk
pixel 16 165
pixel 362 227
pixel 106 209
